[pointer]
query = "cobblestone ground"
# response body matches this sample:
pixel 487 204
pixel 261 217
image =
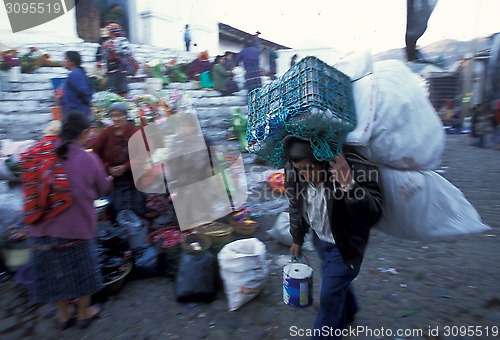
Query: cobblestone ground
pixel 413 287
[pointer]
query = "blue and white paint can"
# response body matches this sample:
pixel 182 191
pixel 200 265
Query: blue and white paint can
pixel 297 285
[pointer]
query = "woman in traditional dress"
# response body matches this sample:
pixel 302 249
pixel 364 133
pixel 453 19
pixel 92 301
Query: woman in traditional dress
pixel 111 145
pixel 65 264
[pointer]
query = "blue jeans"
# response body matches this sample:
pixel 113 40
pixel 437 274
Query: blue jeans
pixel 337 299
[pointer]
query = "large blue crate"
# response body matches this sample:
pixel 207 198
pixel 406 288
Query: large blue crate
pixel 265 130
pixel 311 100
pixel 317 100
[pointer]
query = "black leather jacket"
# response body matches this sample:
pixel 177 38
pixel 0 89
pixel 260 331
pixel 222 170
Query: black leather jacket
pixel 351 214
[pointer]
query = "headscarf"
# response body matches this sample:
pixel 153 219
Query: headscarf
pixel 203 55
pixel 53 128
pixel 118 106
pixel 116 29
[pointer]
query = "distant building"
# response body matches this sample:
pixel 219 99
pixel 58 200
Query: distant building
pixel 151 22
pixel 232 39
pixel 472 80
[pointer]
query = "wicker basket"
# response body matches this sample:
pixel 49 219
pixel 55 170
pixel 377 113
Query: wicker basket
pixel 219 233
pixel 244 228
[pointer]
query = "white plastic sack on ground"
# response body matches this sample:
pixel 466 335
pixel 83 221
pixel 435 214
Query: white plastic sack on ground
pixel 10 147
pixel 422 205
pixel 243 269
pixel 407 132
pixel 280 232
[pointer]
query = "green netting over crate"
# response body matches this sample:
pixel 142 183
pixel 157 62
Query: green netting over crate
pixel 265 131
pixel 312 100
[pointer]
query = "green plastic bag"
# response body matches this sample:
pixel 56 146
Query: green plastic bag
pixel 206 80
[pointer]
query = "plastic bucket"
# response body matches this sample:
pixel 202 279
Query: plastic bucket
pixel 297 285
pixel 16 254
pixel 56 112
pixel 153 85
pixel 101 207
pixel 195 243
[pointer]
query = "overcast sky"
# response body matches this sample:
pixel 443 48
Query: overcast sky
pixel 353 25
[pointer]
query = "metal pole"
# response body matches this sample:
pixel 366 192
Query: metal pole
pixel 467 92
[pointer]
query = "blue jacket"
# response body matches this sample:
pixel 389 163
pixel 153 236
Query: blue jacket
pixel 77 92
pixel 249 56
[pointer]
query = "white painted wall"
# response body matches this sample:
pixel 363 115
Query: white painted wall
pixel 228 46
pixel 161 23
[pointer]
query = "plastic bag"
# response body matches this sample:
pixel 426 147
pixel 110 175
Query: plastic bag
pixel 243 269
pixel 206 80
pixel 422 205
pixel 136 232
pixel 281 232
pixel 195 280
pixel 146 262
pixel 9 147
pixel 128 219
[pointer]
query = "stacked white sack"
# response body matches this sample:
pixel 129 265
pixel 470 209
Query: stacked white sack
pixel 396 123
pixel 398 128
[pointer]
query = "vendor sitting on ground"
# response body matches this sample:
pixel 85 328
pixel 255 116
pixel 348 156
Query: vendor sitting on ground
pixel 198 66
pixel 222 78
pixel 111 145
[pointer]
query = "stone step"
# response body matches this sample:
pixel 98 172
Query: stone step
pixel 29 111
pixel 38 97
pixel 142 53
pixel 22 126
pixel 31 102
pixel 25 107
pixel 33 93
pixel 24 95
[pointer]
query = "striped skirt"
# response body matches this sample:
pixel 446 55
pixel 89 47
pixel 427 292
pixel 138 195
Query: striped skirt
pixel 126 197
pixel 252 77
pixel 63 274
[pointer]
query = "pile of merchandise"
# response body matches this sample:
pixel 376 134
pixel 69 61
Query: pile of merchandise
pixel 142 109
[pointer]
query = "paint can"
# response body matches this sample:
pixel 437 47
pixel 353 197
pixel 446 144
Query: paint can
pixel 297 285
